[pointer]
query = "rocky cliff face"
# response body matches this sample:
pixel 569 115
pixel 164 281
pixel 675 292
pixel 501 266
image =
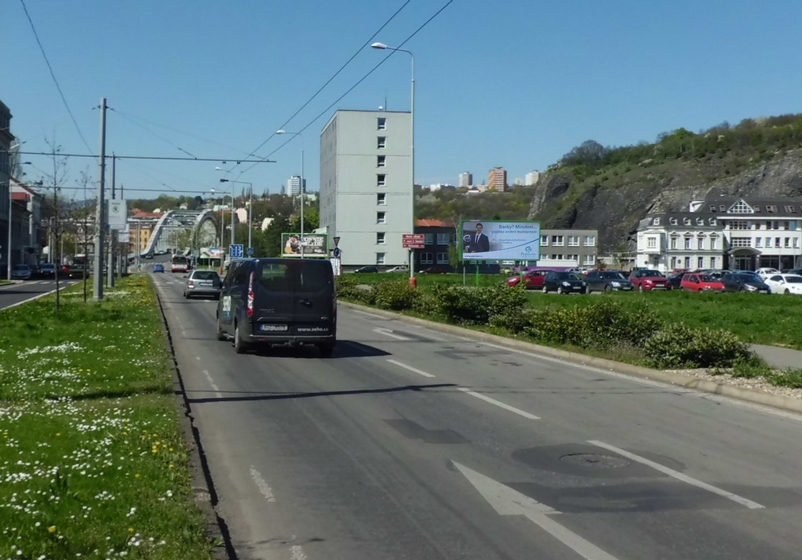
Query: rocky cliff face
pixel 615 201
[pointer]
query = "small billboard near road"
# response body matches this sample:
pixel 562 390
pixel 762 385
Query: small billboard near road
pixel 414 240
pixel 314 245
pixel 117 213
pixel 500 241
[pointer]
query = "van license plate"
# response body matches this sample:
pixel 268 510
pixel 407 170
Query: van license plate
pixel 273 328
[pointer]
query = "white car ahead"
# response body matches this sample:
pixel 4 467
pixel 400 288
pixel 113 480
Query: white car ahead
pixel 766 272
pixel 785 284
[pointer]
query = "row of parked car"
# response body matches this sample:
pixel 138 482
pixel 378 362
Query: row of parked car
pixel 766 281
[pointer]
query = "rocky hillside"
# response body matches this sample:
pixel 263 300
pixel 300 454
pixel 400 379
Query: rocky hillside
pixel 610 190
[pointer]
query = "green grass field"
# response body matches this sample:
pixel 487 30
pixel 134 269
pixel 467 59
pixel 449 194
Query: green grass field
pixel 92 458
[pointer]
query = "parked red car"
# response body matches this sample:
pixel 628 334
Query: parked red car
pixel 701 283
pixel 645 280
pixel 533 280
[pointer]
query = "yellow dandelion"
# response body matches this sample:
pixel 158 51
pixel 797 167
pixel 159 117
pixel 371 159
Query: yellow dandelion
pixel 51 529
pixel 58 434
pixel 137 475
pixel 130 529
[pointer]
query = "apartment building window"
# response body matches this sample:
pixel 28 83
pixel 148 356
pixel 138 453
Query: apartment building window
pixel 786 225
pixel 381 123
pixel 689 242
pixel 674 242
pixel 381 142
pixel 771 209
pixel 428 239
pixel 589 259
pixel 557 240
pixel 713 242
pixel 442 258
pixel 574 258
pixel 651 242
pixel 427 258
pixel 590 241
pixel 777 242
pixel 380 258
pixel 381 161
pixel 686 221
pixel 557 257
pixel 688 261
pixel 713 263
pixel 544 240
pixel 741 242
pixel 739 224
pixel 768 243
pixel 380 238
pixel 740 207
pixel 700 243
pixel 381 217
pixel 381 180
pixel 656 222
pixel 573 241
pixel 796 243
pixel 790 209
pixel 700 262
pixel 712 222
pixel 787 243
pixel 700 221
pixel 381 199
pixel 758 242
pixel 443 238
pixel 672 221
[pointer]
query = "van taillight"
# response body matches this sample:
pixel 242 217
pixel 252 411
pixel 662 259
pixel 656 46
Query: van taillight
pixel 250 294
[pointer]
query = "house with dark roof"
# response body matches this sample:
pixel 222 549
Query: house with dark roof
pixel 439 236
pixel 727 233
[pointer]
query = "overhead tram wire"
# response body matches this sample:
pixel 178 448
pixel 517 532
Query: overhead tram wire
pixel 223 160
pixel 157 135
pixel 53 75
pixel 362 79
pixel 321 88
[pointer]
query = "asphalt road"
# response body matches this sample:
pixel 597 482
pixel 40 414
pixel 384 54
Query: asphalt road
pixel 24 291
pixel 414 444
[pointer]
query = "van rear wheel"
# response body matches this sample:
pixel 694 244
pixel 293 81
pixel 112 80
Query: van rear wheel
pixel 240 346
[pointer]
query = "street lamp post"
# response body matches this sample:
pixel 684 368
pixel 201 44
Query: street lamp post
pixel 250 209
pixel 382 46
pixel 303 183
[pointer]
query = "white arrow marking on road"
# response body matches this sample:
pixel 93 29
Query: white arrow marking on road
pixel 389 332
pixel 507 501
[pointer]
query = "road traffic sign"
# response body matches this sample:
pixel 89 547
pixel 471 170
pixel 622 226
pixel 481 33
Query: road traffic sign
pixel 250 251
pixel 414 240
pixel 337 252
pixel 236 251
pixel 337 241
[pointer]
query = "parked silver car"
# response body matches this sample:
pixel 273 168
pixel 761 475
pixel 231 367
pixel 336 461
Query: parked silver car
pixel 202 283
pixel 21 272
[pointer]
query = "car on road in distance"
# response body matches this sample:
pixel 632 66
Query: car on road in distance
pixel 367 270
pixel 766 272
pixel 564 283
pixel 700 282
pixel 279 301
pixel 47 270
pixel 785 284
pixel 202 283
pixel 533 280
pixel 607 281
pixel 21 272
pixel 402 268
pixel 437 269
pixel 158 267
pixel 646 280
pixel 744 281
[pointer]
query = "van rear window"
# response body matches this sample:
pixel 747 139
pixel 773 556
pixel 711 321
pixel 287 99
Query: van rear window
pixel 301 276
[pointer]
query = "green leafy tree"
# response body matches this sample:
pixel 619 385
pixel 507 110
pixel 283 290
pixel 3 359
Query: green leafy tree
pixel 272 236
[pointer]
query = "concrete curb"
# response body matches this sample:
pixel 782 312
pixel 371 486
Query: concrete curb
pixel 775 401
pixel 202 485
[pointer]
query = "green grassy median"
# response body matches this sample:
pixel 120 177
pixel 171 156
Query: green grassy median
pixel 92 458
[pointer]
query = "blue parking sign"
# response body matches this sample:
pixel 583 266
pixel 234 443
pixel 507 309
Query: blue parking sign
pixel 236 251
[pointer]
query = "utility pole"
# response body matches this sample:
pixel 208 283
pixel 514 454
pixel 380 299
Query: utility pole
pixel 112 263
pixel 124 257
pixel 100 224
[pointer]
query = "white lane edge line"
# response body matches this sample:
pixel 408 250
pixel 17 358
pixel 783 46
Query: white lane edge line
pixel 678 475
pixel 27 300
pixel 370 315
pixel 410 368
pixel 263 487
pixel 499 404
pixel 297 553
pixel 212 384
pixel 388 332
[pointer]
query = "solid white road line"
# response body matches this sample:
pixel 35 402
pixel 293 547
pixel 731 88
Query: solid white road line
pixel 499 404
pixel 297 553
pixel 410 368
pixel 678 475
pixel 266 491
pixel 389 332
pixel 370 315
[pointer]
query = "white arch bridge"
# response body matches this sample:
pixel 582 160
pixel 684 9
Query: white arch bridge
pixel 191 228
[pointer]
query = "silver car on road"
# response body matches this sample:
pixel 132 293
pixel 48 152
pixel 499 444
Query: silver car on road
pixel 202 283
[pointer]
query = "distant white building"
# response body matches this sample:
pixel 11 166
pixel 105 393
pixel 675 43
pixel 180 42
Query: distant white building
pixel 266 223
pixel 294 185
pixel 441 187
pixel 466 179
pixel 532 178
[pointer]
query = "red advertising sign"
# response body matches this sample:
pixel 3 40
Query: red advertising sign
pixel 414 240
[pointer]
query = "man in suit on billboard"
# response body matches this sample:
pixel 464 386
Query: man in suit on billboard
pixel 479 242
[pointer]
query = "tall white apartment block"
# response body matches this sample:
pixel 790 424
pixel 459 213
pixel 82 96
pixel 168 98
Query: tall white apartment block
pixel 532 178
pixel 466 179
pixel 366 185
pixel 294 185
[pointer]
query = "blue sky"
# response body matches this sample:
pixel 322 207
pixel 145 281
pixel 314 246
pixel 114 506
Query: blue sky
pixel 515 83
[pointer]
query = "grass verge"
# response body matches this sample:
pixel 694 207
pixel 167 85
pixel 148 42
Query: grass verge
pixel 92 458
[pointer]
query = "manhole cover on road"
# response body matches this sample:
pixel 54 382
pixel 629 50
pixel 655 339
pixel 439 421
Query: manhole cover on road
pixel 595 460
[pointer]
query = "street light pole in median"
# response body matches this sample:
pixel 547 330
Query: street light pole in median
pixel 303 183
pixel 250 209
pixel 382 46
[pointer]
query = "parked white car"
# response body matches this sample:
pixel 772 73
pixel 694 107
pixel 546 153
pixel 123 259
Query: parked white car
pixel 401 268
pixel 766 272
pixel 785 284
